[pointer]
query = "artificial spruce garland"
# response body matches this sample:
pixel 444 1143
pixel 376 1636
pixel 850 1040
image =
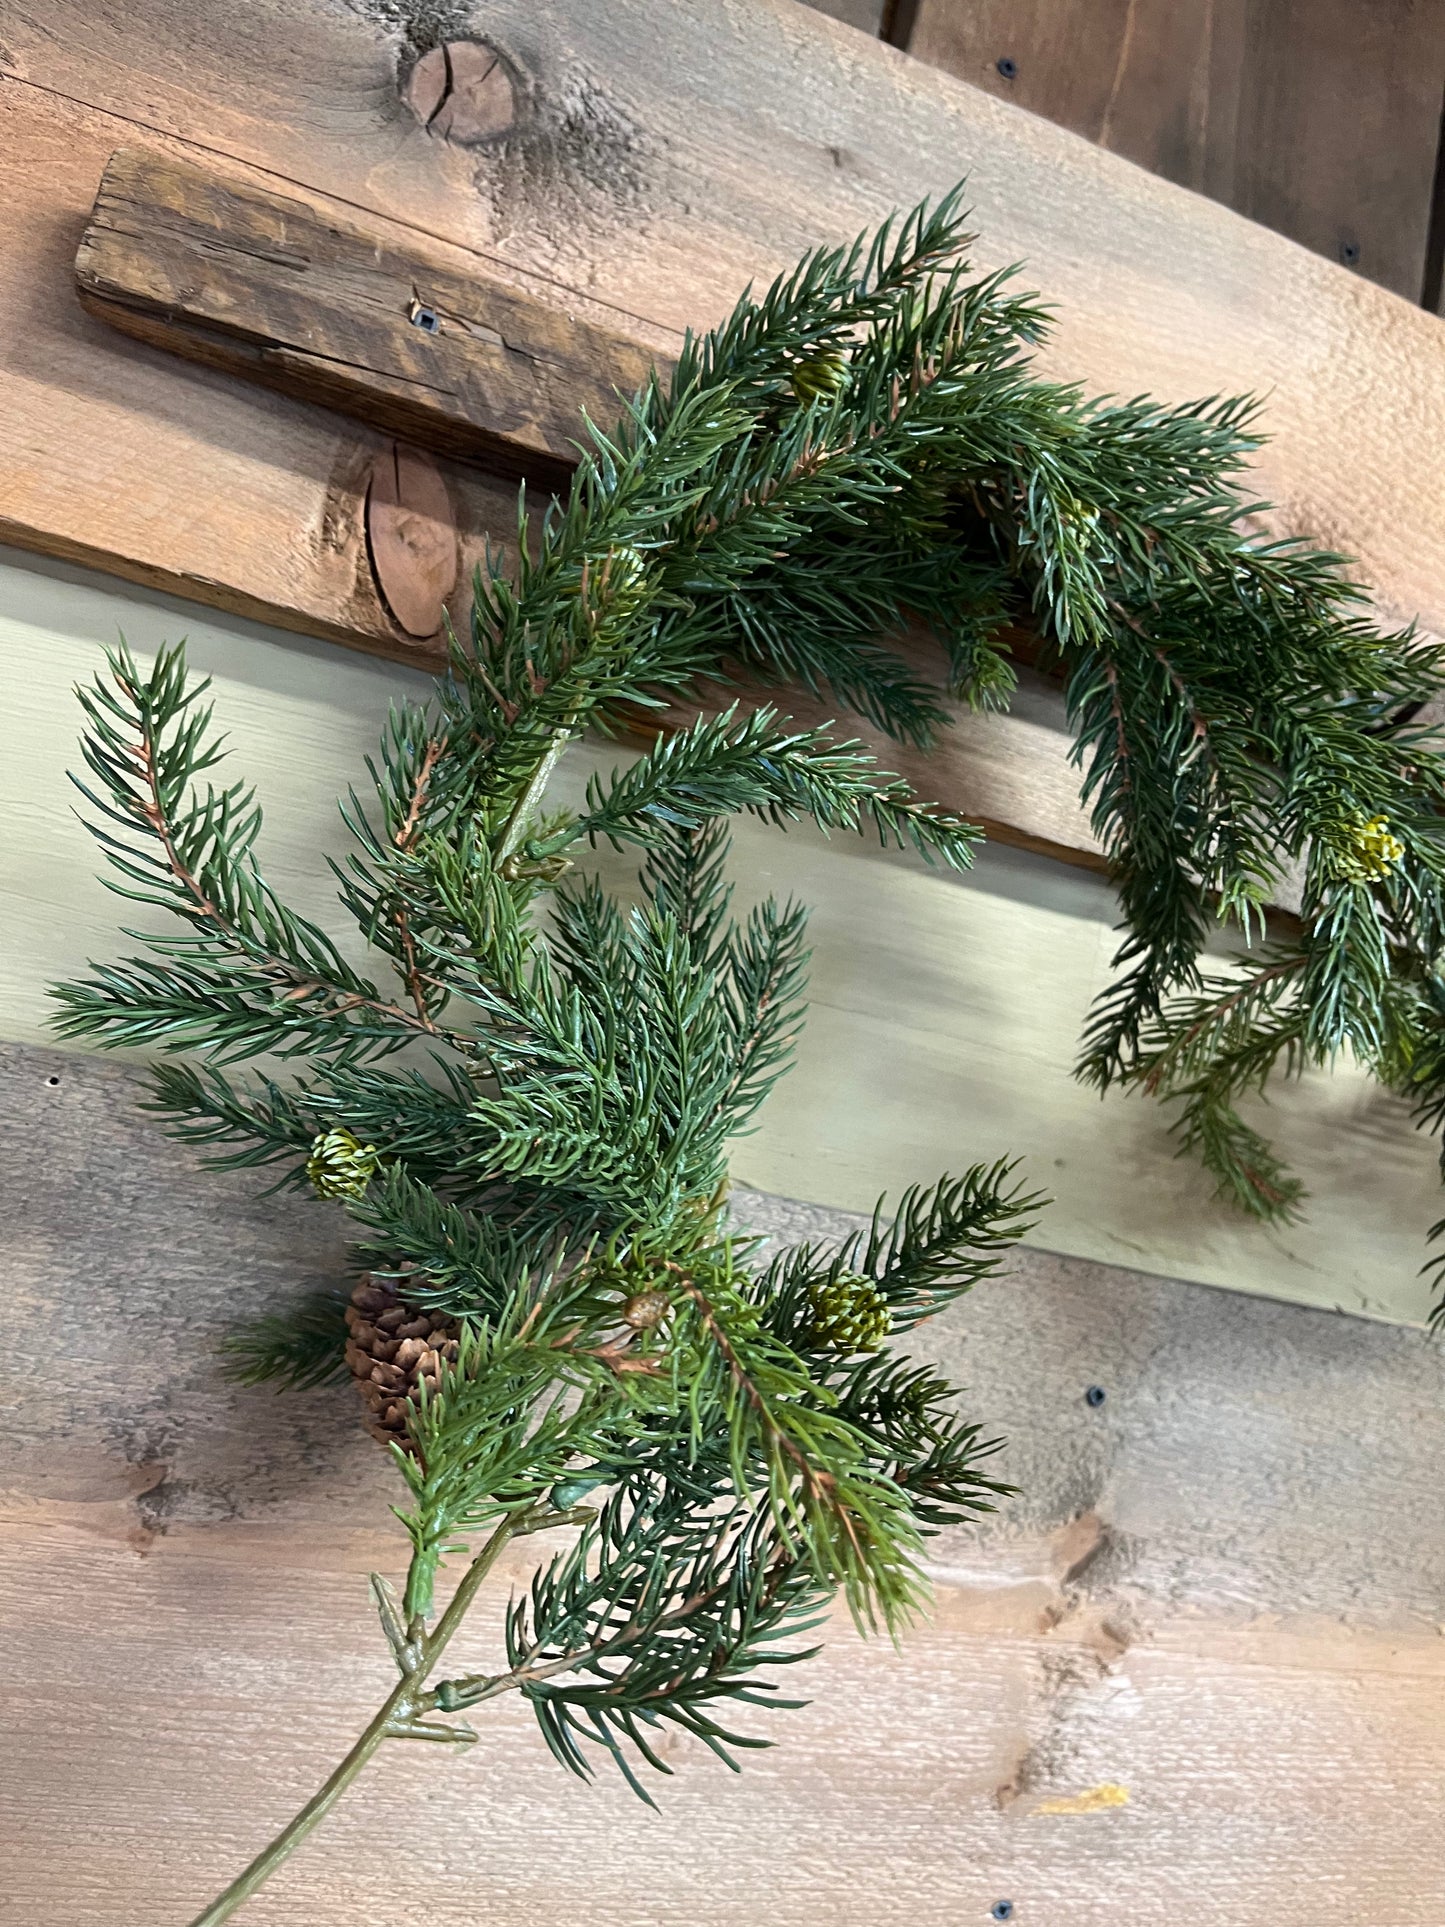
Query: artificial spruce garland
pixel 555 1325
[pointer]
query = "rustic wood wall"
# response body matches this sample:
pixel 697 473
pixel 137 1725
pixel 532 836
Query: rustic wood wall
pixel 1319 118
pixel 657 158
pixel 1194 1673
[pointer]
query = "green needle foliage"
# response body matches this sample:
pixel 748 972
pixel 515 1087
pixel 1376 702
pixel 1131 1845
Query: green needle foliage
pixel 525 1099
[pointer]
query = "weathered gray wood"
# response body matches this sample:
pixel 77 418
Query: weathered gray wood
pixel 1217 1598
pixel 866 15
pixel 262 285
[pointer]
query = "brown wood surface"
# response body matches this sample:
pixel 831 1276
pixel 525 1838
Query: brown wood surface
pixel 259 284
pixel 660 158
pixel 1320 118
pixel 167 474
pixel 664 156
pixel 411 539
pixel 1218 1594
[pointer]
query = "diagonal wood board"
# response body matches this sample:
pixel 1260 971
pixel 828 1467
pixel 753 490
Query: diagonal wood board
pixel 259 284
pixel 1217 1594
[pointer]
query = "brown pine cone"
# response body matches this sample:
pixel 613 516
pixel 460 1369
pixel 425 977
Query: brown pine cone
pixel 391 1349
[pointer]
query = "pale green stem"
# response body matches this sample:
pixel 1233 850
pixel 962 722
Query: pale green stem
pixel 527 802
pixel 400 1704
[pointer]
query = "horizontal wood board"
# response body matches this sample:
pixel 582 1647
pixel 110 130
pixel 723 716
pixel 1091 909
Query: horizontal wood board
pixel 1320 118
pixel 945 1012
pixel 1194 1672
pixel 662 157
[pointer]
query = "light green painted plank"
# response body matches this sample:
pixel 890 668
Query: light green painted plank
pixel 945 1011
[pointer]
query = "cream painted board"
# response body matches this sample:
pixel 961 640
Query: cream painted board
pixel 945 1011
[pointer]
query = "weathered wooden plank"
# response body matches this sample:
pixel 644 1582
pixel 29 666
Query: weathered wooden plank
pixel 660 157
pixel 1319 118
pixel 114 454
pixel 259 284
pixel 1217 1591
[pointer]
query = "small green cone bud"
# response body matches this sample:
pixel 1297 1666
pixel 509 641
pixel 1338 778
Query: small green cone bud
pixel 340 1165
pixel 615 579
pixel 820 377
pixel 571 1492
pixel 849 1313
pixel 624 569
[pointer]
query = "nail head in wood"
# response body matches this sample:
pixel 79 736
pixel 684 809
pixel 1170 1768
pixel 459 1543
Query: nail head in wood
pixel 462 92
pixel 411 539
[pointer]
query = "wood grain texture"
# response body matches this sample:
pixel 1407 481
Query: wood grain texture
pixel 259 284
pixel 411 539
pixel 168 474
pixel 1220 1591
pixel 1320 118
pixel 944 1014
pixel 258 505
pixel 664 156
pixel 463 91
pixel 661 157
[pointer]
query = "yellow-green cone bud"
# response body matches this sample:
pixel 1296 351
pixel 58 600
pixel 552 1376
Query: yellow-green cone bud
pixel 849 1313
pixel 1368 852
pixel 340 1165
pixel 820 377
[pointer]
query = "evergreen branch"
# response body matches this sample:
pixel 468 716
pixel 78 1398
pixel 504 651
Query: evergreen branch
pixel 906 1412
pixel 722 764
pixel 488 1445
pixel 253 976
pixel 657 1614
pixel 832 1510
pixel 944 1239
pixel 297 1349
pixel 865 445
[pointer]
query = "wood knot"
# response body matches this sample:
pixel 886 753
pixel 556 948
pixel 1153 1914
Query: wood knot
pixel 411 539
pixel 463 92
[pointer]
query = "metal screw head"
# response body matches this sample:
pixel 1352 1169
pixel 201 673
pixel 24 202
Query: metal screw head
pixel 1008 67
pixel 1350 253
pixel 427 319
pixel 1002 1910
pixel 1095 1395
